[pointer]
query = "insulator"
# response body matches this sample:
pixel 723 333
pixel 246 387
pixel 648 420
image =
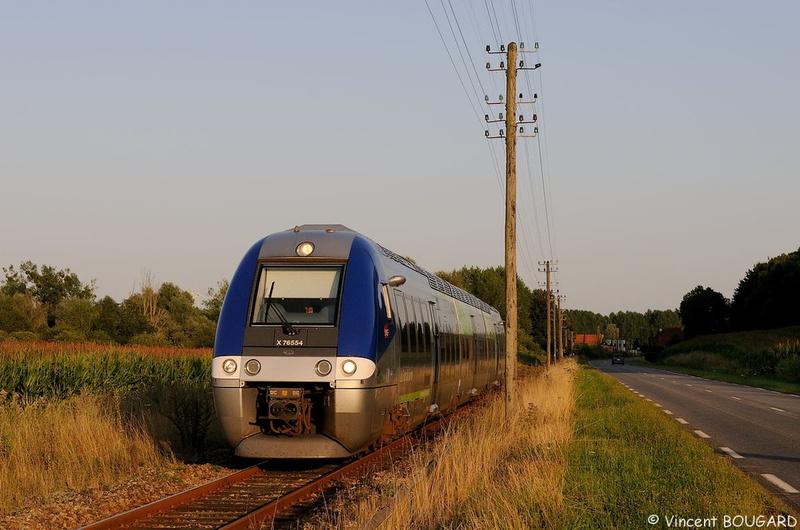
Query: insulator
pixel 538 65
pixel 501 132
pixel 522 64
pixel 502 64
pixel 500 116
pixel 521 117
pixel 520 95
pixel 502 47
pixel 488 65
pixel 501 97
pixel 486 98
pixel 486 117
pixel 487 134
pixel 522 130
pixel 488 48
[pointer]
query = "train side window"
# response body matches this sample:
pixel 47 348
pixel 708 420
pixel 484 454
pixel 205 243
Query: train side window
pixel 404 326
pixel 412 324
pixel 387 304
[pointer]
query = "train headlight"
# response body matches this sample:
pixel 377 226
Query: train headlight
pixel 229 366
pixel 252 367
pixel 323 368
pixel 349 367
pixel 304 249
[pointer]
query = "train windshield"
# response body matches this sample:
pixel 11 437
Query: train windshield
pixel 297 295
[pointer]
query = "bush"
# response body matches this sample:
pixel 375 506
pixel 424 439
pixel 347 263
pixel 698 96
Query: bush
pixel 24 336
pixel 70 335
pixel 789 369
pixel 149 339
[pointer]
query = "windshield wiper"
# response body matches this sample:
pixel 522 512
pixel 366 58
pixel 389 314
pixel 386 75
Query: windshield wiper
pixel 287 328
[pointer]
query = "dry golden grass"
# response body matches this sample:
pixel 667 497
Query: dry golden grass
pixel 484 472
pixel 52 446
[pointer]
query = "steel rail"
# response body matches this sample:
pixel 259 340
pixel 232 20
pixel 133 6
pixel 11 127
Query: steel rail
pixel 198 507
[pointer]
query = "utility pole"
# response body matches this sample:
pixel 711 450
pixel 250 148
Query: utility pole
pixel 511 226
pixel 549 297
pixel 511 124
pixel 560 315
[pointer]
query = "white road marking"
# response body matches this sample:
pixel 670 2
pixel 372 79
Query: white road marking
pixel 659 405
pixel 730 452
pixel 682 421
pixel 736 398
pixel 778 482
pixel 776 408
pixel 687 384
pixel 701 434
pixel 668 412
pixel 707 390
pixel 648 399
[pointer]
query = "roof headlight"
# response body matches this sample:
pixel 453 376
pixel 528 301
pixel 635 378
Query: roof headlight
pixel 304 249
pixel 323 368
pixel 229 366
pixel 349 367
pixel 252 367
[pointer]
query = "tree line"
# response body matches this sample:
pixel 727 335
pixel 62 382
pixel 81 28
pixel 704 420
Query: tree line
pixel 639 330
pixel 766 298
pixel 52 304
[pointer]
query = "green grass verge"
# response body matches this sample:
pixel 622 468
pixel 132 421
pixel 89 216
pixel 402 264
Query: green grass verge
pixel 628 462
pixel 741 379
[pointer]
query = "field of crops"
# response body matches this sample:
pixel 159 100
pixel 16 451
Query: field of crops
pixel 63 405
pixel 39 369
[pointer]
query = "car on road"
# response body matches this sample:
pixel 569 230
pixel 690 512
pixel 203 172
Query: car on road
pixel 617 358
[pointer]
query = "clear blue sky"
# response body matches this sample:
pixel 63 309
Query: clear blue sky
pixel 168 137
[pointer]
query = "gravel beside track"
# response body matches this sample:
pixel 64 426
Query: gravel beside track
pixel 73 510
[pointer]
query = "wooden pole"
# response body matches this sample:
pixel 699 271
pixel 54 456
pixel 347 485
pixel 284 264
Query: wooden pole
pixel 511 226
pixel 549 296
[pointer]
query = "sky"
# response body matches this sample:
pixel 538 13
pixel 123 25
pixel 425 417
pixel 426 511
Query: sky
pixel 164 139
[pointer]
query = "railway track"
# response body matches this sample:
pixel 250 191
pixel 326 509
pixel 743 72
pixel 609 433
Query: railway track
pixel 261 493
pixel 245 499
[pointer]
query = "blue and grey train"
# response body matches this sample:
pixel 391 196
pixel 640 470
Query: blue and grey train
pixel 329 344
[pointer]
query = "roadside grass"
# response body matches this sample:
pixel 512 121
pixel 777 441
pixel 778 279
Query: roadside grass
pixel 629 461
pixel 758 355
pixel 482 472
pixel 693 363
pixel 583 453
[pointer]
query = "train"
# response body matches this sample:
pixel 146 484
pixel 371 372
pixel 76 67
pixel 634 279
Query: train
pixel 329 344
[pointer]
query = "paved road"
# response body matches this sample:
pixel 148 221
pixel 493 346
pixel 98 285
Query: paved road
pixel 759 429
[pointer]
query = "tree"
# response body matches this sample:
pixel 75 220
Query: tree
pixel 75 315
pixel 213 304
pixel 587 322
pixel 704 311
pixel 48 286
pixel 767 296
pixel 20 312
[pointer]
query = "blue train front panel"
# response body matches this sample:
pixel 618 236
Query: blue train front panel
pixel 303 356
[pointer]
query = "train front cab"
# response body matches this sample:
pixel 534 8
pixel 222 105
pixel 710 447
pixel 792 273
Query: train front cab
pixel 295 371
